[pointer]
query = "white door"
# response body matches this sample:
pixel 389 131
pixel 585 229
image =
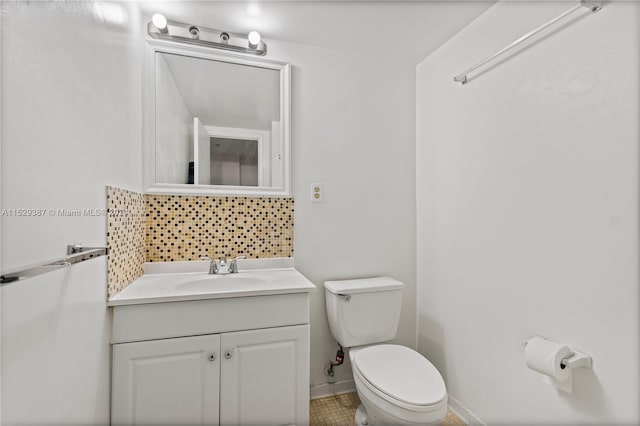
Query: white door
pixel 201 154
pixel 167 382
pixel 265 377
pixel 276 156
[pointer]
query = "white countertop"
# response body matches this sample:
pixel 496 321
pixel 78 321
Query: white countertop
pixel 192 282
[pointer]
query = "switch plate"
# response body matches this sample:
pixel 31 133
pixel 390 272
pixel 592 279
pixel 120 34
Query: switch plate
pixel 317 193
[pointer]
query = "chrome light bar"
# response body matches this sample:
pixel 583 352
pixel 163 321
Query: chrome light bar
pixel 201 36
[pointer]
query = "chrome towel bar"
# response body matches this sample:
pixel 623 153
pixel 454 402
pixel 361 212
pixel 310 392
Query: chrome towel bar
pixel 76 253
pixel 593 6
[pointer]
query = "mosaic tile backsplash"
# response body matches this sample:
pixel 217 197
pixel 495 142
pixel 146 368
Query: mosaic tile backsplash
pixel 125 238
pixel 188 227
pixel 169 228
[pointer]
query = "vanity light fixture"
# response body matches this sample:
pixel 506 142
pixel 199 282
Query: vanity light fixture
pixel 161 28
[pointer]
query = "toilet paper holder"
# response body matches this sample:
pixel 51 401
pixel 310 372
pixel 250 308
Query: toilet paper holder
pixel 576 360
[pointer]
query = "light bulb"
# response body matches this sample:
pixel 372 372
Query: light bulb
pixel 160 22
pixel 254 39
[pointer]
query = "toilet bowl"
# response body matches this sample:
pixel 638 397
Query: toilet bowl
pixel 397 386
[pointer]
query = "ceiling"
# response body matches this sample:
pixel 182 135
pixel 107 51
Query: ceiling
pixel 405 29
pixel 225 94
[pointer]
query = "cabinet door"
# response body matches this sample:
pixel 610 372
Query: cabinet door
pixel 265 377
pixel 171 381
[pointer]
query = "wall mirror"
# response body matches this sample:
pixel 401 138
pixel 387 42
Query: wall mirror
pixel 215 123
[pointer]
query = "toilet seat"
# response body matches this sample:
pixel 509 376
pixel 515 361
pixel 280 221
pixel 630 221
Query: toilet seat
pixel 401 376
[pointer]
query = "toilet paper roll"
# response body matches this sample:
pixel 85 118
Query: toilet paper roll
pixel 544 357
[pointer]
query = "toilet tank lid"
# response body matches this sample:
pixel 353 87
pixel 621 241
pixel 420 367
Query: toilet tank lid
pixel 363 285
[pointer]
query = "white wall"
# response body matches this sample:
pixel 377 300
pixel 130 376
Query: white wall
pixel 527 184
pixel 71 124
pixel 72 110
pixel 353 127
pixel 174 128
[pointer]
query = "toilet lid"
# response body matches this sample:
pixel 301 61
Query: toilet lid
pixel 401 373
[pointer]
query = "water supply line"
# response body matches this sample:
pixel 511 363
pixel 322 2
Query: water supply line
pixel 328 369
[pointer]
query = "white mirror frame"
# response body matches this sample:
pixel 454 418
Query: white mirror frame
pixel 149 117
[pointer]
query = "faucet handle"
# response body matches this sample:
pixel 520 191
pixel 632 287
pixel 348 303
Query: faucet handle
pixel 233 265
pixel 213 268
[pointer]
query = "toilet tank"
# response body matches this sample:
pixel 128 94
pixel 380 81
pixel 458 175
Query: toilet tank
pixel 363 311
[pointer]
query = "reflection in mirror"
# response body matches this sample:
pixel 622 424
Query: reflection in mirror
pixel 234 162
pixel 217 123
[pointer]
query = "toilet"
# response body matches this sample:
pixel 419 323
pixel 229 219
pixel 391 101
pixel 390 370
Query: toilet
pixel 396 385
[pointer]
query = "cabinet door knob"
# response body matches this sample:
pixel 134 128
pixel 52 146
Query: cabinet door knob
pixel 228 354
pixel 212 357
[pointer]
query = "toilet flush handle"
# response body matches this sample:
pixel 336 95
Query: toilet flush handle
pixel 346 297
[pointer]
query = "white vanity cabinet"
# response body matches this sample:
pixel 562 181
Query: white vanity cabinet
pixel 247 377
pixel 199 349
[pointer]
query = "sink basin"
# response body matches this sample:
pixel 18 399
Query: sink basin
pixel 223 282
pixel 184 281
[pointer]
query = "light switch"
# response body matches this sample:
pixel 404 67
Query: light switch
pixel 317 193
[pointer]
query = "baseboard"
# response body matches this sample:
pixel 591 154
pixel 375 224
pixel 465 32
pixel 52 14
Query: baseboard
pixel 465 415
pixel 328 389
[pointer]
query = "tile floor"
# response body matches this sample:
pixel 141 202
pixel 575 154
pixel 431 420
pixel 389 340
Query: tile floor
pixel 341 409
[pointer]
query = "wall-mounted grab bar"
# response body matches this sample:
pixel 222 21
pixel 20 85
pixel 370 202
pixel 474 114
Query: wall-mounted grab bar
pixel 592 5
pixel 76 253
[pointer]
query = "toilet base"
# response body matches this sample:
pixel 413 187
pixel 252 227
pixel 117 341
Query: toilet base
pixel 369 414
pixel 361 416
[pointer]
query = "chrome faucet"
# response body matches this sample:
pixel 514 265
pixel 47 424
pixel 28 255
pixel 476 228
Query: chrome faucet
pixel 222 266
